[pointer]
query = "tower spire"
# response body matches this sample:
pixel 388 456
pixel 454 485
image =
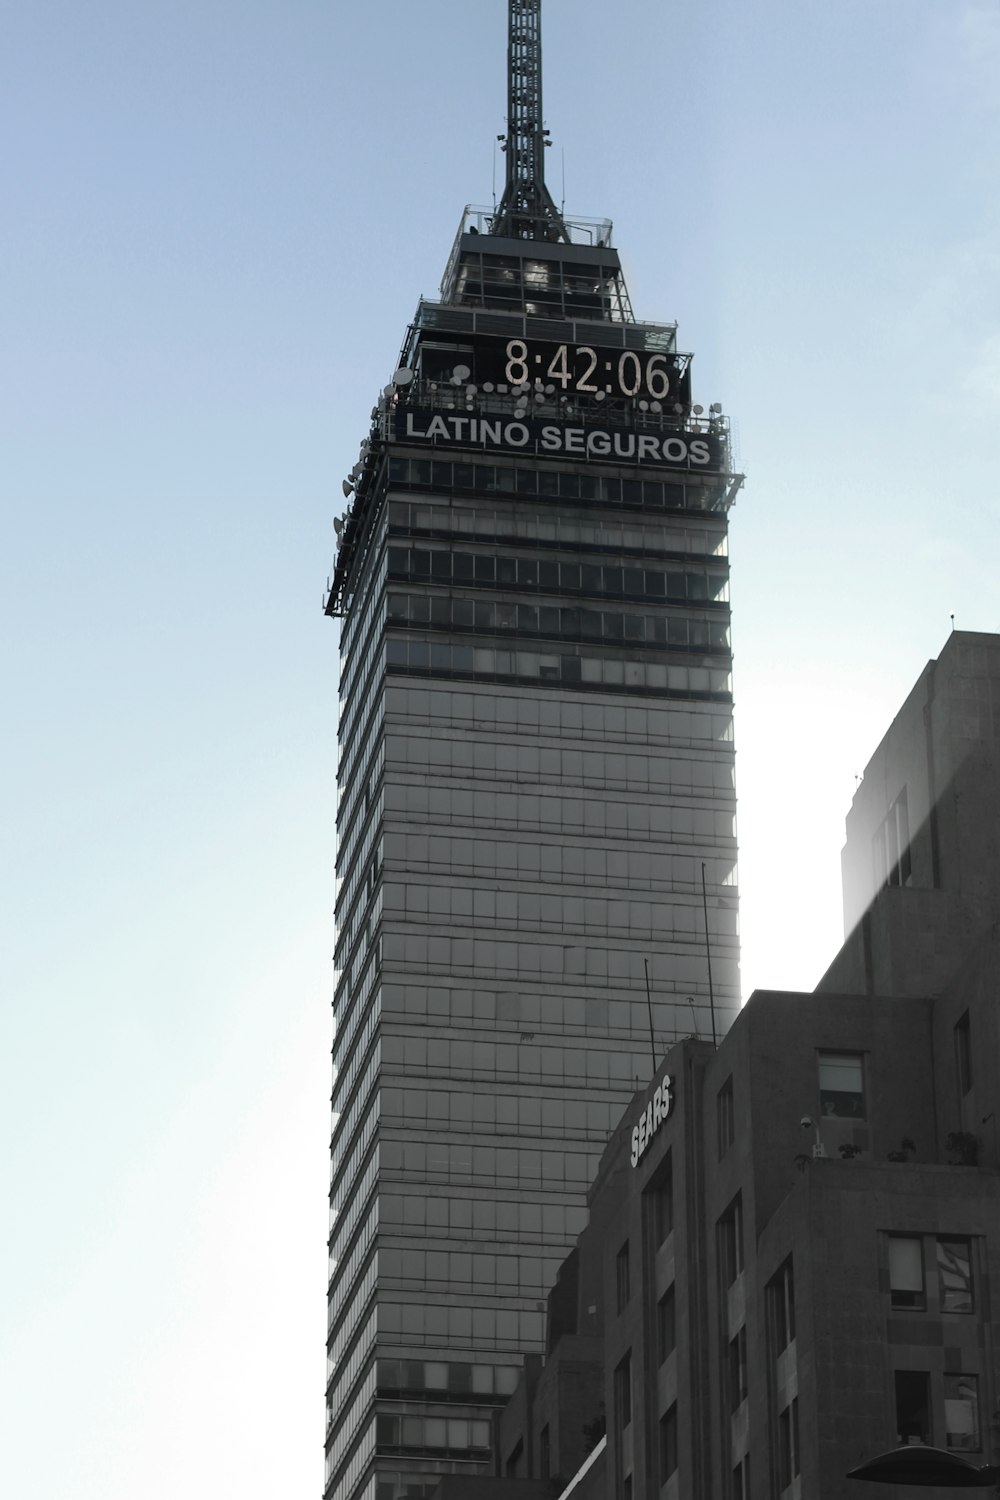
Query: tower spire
pixel 527 210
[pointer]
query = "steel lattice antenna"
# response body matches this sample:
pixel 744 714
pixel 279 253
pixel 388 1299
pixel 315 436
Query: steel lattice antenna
pixel 527 210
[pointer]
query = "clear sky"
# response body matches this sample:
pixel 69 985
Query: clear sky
pixel 217 220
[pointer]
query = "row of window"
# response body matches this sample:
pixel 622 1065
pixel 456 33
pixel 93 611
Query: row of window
pixel 504 1062
pixel 421 1321
pixel 488 1110
pixel 456 1437
pixel 601 674
pixel 528 811
pixel 399 1377
pixel 592 488
pixel 611 871
pixel 551 529
pixel 462 1270
pixel 499 1166
pixel 635 726
pixel 476 756
pixel 491 1217
pixel 487 957
pixel 681 584
pixel 499 617
pixel 528 912
pixel 573 1017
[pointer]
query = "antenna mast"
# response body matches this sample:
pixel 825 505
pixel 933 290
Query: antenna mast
pixel 527 210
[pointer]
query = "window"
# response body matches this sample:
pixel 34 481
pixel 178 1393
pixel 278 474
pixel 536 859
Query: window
pixel 666 1325
pixel 668 1444
pixel 961 1412
pixel 913 1406
pixel 741 1479
pixel 781 1298
pixel 725 1119
pixel 659 1200
pixel 954 1268
pixel 842 1084
pixel 730 1241
pixel 963 1054
pixel 622 1277
pixel 788 1444
pixel 906 1272
pixel 738 1369
pixel 623 1394
pixel 892 846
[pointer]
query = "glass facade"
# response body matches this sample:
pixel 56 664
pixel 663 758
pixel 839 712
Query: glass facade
pixel 536 778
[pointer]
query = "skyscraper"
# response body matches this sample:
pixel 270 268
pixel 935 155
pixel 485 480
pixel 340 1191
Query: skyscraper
pixel 537 815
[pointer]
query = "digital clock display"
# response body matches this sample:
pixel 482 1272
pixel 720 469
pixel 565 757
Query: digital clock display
pixel 575 370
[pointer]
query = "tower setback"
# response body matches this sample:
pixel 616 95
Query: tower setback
pixel 536 805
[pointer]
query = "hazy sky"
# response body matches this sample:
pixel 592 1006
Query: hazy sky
pixel 217 220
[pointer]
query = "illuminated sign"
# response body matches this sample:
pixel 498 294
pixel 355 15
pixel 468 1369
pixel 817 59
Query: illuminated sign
pixel 672 450
pixel 656 1113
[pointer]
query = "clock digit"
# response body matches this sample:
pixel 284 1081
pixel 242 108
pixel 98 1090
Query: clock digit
pixel 626 388
pixel 559 368
pixel 657 377
pixel 517 358
pixel 582 384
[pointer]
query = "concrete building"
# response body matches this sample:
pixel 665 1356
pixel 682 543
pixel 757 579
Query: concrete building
pixel 798 1274
pixel 796 1240
pixel 537 809
pixel 921 864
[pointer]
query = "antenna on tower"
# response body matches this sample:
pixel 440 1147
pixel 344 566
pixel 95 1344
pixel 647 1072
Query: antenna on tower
pixel 527 210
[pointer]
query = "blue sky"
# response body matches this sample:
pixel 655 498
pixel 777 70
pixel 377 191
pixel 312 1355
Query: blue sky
pixel 218 220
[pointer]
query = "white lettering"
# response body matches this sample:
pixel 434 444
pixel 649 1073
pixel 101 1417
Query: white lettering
pixel 491 432
pixel 573 438
pixel 657 1112
pixel 551 439
pixel 437 428
pixel 516 434
pixel 624 445
pixel 675 450
pixel 411 430
pixel 699 451
pixel 599 443
pixel 648 447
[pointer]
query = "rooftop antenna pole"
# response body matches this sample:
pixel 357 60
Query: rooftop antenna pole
pixel 527 211
pixel 649 1007
pixel 708 952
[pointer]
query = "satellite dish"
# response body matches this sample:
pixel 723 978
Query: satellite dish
pixel 403 376
pixel 678 408
pixel 347 487
pixel 697 410
pixel 471 391
pixel 644 406
pixel 388 390
pixel 462 372
pixel 598 395
pixel 716 408
pixel 338 524
pixel 655 406
pixel 539 395
pixel 487 385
